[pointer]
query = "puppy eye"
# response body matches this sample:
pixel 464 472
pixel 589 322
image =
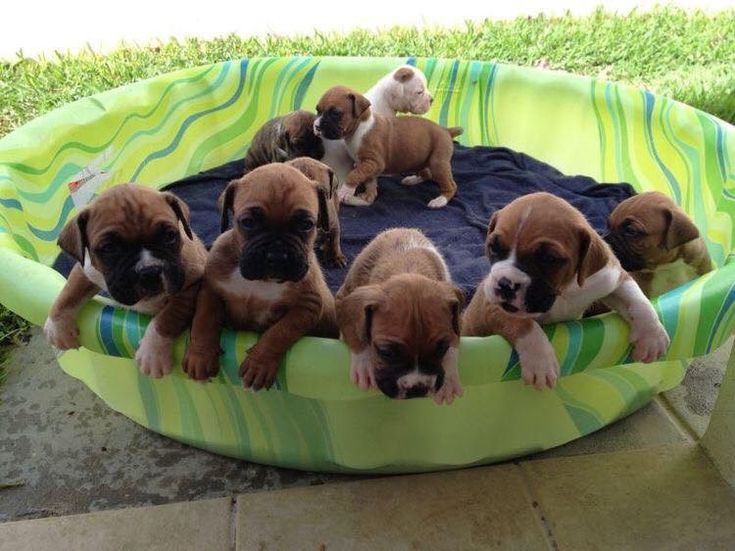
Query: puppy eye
pixel 169 236
pixel 248 223
pixel 108 247
pixel 388 352
pixel 550 259
pixel 305 225
pixel 632 233
pixel 441 347
pixel 497 250
pixel 419 92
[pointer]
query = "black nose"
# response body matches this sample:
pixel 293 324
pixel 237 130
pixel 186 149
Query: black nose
pixel 506 289
pixel 276 257
pixel 150 276
pixel 418 391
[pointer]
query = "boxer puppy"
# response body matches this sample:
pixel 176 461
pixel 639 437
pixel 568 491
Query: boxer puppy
pixel 657 243
pixel 284 138
pixel 328 244
pixel 547 264
pixel 262 275
pixel 381 145
pixel 403 90
pixel 399 313
pixel 135 244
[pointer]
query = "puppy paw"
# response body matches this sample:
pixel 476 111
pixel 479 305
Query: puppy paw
pixel 339 260
pixel 345 193
pixel 200 366
pixel 450 390
pixel 258 372
pixel 649 343
pixel 356 201
pixel 362 373
pixel 438 202
pixel 62 333
pixel 412 180
pixel 154 353
pixel 539 366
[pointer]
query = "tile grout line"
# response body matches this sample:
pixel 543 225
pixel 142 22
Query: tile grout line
pixel 681 425
pixel 234 506
pixel 535 504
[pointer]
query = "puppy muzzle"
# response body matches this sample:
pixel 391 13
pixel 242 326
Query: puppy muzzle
pixel 403 384
pixel 328 126
pixel 274 260
pixel 507 287
pixel 630 261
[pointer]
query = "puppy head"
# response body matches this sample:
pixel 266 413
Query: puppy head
pixel 406 91
pixel 647 230
pixel 132 236
pixel 339 111
pixel 298 138
pixel 409 325
pixel 275 209
pixel 538 245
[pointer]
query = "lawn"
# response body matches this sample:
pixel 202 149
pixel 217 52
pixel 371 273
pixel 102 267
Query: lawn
pixel 690 57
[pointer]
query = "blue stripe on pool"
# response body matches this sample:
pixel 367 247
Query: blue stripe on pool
pixel 106 337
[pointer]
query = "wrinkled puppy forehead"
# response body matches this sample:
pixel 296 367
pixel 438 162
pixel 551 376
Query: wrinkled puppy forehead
pixel 336 97
pixel 647 209
pixel 298 122
pixel 278 190
pixel 535 216
pixel 133 212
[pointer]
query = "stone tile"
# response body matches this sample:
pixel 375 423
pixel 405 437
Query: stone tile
pixel 194 525
pixel 480 508
pixel 669 497
pixel 648 427
pixel 693 400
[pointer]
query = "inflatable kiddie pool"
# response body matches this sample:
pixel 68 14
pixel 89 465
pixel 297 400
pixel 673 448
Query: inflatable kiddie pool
pixel 160 130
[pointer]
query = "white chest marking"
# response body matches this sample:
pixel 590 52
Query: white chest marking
pixel 574 300
pixel 355 141
pixel 92 273
pixel 267 291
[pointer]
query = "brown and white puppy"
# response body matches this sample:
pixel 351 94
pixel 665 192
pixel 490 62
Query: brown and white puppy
pixel 399 313
pixel 135 244
pixel 328 244
pixel 403 90
pixel 262 275
pixel 381 145
pixel 284 138
pixel 547 264
pixel 657 243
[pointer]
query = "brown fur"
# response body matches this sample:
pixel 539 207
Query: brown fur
pixel 660 233
pixel 396 295
pixel 135 213
pixel 392 145
pixel 306 306
pixel 328 244
pixel 284 138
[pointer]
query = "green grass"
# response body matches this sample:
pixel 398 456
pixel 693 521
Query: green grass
pixel 690 57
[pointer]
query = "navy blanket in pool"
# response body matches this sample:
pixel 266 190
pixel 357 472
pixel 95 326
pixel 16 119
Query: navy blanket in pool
pixel 487 178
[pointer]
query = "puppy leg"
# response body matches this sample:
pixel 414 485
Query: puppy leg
pixel 61 325
pixel 370 193
pixel 362 373
pixel 452 388
pixel 334 247
pixel 201 360
pixel 442 175
pixel 365 170
pixel 260 367
pixel 647 335
pixel 422 176
pixel 154 353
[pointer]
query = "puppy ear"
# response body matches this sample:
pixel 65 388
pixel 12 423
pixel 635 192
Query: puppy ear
pixel 592 255
pixel 181 210
pixel 679 229
pixel 493 221
pixel 225 202
pixel 456 302
pixel 333 183
pixel 73 237
pixel 355 314
pixel 359 104
pixel 404 74
pixel 324 194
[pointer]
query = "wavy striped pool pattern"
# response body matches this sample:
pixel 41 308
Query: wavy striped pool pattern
pixel 163 129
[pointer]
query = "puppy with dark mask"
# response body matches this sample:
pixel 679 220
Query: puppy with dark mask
pixel 657 243
pixel 285 138
pixel 399 313
pixel 262 275
pixel 328 246
pixel 135 244
pixel 547 264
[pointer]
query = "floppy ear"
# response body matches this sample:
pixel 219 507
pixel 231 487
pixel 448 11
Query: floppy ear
pixel 73 237
pixel 456 302
pixel 225 202
pixel 493 221
pixel 404 74
pixel 181 210
pixel 359 104
pixel 355 314
pixel 333 183
pixel 323 193
pixel 679 229
pixel 591 256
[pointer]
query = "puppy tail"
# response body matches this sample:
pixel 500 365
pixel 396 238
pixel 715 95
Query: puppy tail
pixel 455 131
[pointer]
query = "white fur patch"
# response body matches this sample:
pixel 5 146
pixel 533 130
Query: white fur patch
pixel 337 158
pixel 507 269
pixel 147 260
pixel 355 141
pixel 539 366
pixel 362 372
pixel 154 353
pixel 574 300
pixel 62 333
pixel 389 96
pixel 438 202
pixel 452 387
pixel 269 292
pixel 92 273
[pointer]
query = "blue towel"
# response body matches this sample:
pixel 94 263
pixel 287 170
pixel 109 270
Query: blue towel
pixel 488 178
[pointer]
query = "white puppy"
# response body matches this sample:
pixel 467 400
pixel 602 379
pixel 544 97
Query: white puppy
pixel 403 90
